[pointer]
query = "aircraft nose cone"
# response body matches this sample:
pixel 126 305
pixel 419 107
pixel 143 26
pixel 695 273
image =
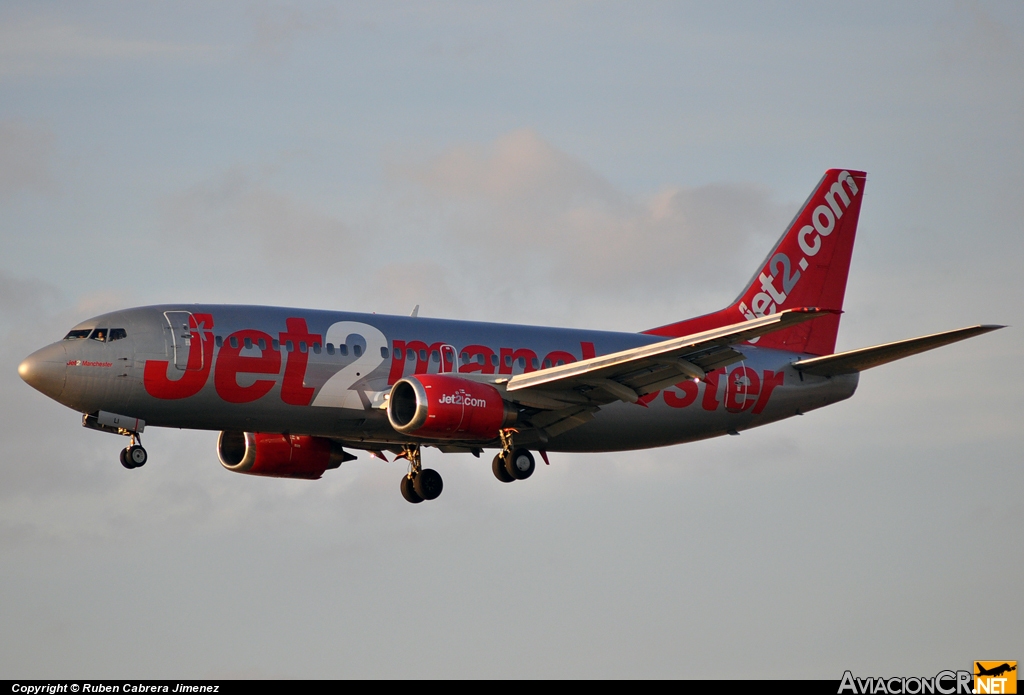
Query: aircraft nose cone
pixel 44 370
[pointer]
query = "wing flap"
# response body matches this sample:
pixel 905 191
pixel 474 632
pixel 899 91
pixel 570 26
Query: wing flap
pixel 866 358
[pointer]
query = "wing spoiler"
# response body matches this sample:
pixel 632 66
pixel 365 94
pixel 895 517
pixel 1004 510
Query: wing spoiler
pixel 866 358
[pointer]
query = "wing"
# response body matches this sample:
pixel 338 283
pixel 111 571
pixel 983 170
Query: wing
pixel 568 395
pixel 630 374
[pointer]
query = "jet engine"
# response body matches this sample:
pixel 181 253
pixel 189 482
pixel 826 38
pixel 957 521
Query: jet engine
pixel 279 455
pixel 440 406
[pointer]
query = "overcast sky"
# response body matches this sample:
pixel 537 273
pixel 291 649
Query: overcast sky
pixel 614 166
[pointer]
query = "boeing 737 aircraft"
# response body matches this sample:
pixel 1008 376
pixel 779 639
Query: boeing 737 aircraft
pixel 295 391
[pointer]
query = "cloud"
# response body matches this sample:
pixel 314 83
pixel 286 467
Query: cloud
pixel 243 224
pixel 515 167
pixel 42 46
pixel 275 29
pixel 20 298
pixel 26 153
pixel 971 34
pixel 559 221
pixel 399 287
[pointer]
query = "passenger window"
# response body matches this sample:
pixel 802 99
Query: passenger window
pixel 330 348
pixel 263 344
pixel 434 356
pixel 410 355
pixel 248 343
pixel 233 341
pixel 423 355
pixel 384 352
pixel 522 362
pixel 99 334
pixel 78 335
pixel 547 363
pixel 289 346
pixel 534 363
pixel 398 353
pixel 494 360
pixel 357 350
pixel 302 346
pixel 220 341
pixel 316 348
pixel 343 349
pixel 464 358
pixel 275 344
pixel 508 360
pixel 117 334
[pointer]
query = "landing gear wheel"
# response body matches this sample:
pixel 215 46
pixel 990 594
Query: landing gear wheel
pixel 137 455
pixel 428 484
pixel 125 461
pixel 498 468
pixel 409 491
pixel 520 464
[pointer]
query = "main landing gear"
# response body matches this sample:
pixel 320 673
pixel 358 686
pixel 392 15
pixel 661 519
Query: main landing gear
pixel 419 483
pixel 512 463
pixel 133 455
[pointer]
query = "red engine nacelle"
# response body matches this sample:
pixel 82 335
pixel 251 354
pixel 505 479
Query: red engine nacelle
pixel 279 455
pixel 439 406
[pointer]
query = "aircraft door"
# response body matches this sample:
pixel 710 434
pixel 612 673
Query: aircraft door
pixel 180 323
pixel 449 360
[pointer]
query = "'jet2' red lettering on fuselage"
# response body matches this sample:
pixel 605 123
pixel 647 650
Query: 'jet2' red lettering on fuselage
pixel 744 390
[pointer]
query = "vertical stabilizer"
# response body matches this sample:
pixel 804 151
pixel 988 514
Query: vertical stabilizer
pixel 807 268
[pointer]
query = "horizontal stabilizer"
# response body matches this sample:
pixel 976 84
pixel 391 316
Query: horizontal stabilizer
pixel 866 358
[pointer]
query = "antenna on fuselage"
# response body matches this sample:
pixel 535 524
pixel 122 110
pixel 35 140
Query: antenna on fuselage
pixel 415 311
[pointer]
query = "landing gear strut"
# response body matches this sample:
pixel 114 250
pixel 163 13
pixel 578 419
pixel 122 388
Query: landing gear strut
pixel 133 455
pixel 512 463
pixel 419 483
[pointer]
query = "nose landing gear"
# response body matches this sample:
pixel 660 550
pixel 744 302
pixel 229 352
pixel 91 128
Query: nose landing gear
pixel 133 455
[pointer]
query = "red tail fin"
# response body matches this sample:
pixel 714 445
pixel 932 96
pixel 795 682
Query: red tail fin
pixel 807 268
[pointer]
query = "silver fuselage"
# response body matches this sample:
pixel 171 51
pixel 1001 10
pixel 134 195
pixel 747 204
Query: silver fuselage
pixel 234 385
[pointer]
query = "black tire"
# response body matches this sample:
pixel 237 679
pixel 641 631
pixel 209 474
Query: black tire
pixel 125 461
pixel 409 492
pixel 498 468
pixel 428 484
pixel 137 455
pixel 520 465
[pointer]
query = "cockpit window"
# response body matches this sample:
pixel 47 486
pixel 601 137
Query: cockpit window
pixel 117 334
pixel 99 334
pixel 78 335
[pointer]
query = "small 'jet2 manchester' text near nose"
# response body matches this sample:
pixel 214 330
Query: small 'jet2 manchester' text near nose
pixel 294 391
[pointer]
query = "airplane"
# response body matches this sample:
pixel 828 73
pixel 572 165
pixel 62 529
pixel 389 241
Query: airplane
pixel 294 392
pixel 995 671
